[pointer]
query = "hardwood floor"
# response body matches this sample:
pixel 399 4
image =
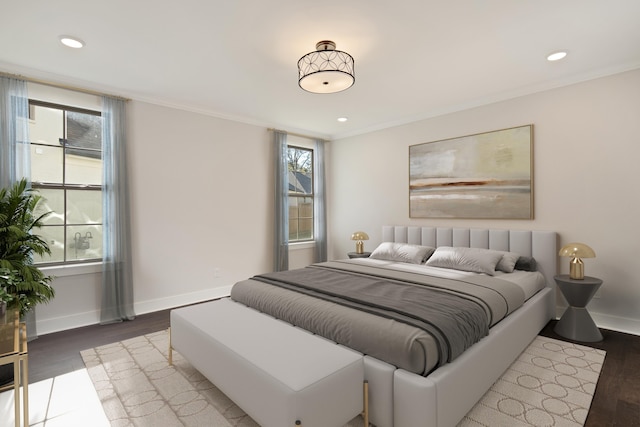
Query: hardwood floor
pixel 617 398
pixel 616 401
pixel 59 353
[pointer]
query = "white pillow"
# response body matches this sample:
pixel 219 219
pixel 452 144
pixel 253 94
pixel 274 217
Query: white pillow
pixel 466 259
pixel 508 261
pixel 402 252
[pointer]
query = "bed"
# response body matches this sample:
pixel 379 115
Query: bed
pixel 425 373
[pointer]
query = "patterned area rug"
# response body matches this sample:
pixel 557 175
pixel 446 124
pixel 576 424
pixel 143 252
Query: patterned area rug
pixel 551 384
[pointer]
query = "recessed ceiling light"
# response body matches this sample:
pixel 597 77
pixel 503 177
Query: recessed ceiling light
pixel 342 119
pixel 73 42
pixel 556 56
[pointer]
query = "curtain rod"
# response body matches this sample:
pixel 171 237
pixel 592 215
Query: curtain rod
pixel 297 134
pixel 61 86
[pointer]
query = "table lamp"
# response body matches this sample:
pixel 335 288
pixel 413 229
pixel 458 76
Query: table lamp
pixel 359 236
pixel 577 251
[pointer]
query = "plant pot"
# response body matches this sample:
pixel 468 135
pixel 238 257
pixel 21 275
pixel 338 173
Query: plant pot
pixel 6 371
pixel 6 374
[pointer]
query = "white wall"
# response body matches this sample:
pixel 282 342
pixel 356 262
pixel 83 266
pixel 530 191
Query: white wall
pixel 201 204
pixel 201 196
pixel 586 175
pixel 201 214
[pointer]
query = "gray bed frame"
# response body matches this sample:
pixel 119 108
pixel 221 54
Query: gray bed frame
pixel 444 397
pixel 398 398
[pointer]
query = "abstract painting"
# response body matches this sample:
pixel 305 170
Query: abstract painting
pixel 482 176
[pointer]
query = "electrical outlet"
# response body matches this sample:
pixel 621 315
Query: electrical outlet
pixel 216 272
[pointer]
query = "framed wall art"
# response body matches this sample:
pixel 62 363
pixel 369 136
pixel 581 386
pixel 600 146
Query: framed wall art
pixel 483 176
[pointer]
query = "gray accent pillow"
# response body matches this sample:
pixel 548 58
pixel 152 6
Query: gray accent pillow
pixel 466 259
pixel 526 263
pixel 402 252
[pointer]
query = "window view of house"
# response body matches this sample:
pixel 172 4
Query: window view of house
pixel 66 168
pixel 300 162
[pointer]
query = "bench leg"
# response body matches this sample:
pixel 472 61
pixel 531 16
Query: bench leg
pixel 170 348
pixel 365 403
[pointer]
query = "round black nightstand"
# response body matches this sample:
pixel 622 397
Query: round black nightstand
pixel 576 322
pixel 357 255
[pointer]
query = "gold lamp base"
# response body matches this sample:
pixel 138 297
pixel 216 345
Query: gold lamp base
pixel 576 269
pixel 359 247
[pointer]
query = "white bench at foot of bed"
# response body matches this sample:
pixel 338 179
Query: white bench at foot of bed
pixel 278 374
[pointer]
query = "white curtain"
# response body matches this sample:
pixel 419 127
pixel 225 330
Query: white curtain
pixel 117 272
pixel 15 150
pixel 281 203
pixel 319 206
pixel 15 161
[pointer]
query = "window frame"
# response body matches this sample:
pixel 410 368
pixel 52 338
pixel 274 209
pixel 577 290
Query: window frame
pixel 311 195
pixel 64 186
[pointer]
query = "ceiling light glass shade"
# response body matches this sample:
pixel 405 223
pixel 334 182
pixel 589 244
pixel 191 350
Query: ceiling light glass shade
pixel 576 251
pixel 326 70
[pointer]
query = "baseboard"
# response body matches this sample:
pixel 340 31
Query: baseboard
pixel 78 320
pixel 180 300
pixel 611 323
pixel 63 323
pixel 614 323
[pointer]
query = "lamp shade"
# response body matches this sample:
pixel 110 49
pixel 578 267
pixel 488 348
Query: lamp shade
pixel 359 235
pixel 326 70
pixel 577 250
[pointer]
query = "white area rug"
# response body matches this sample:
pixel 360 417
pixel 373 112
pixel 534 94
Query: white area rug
pixel 551 384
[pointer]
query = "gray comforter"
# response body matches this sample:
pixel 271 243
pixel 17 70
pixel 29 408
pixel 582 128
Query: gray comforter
pixel 410 320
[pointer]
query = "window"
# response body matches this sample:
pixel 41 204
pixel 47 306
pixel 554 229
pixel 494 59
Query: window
pixel 300 161
pixel 66 168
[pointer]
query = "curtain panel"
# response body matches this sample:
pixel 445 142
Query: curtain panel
pixel 117 272
pixel 281 203
pixel 319 205
pixel 15 149
pixel 15 161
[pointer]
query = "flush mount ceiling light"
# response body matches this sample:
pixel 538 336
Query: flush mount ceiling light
pixel 326 70
pixel 70 41
pixel 556 56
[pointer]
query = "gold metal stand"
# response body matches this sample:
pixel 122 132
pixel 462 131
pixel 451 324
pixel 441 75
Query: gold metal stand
pixel 13 350
pixel 365 403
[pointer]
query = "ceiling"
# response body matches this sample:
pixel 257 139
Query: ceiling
pixel 237 59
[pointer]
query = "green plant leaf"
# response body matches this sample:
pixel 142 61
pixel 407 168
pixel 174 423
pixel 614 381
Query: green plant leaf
pixel 26 283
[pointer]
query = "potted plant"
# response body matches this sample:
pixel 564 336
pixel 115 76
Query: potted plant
pixel 22 285
pixel 25 283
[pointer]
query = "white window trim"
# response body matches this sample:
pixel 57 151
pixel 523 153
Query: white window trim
pixel 296 246
pixel 72 269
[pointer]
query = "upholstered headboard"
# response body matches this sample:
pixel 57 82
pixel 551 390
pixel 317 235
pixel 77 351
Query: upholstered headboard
pixel 541 245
